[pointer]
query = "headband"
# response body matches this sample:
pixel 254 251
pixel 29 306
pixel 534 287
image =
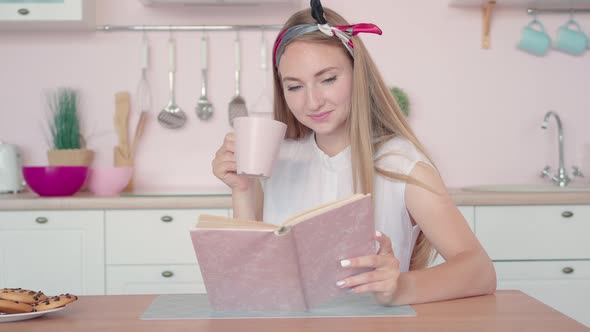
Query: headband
pixel 342 32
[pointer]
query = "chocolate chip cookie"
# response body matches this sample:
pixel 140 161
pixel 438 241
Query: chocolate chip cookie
pixel 55 302
pixel 14 307
pixel 22 295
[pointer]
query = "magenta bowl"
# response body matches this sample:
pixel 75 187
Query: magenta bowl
pixel 55 180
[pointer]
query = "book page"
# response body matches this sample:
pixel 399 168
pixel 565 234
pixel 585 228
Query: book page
pixel 320 209
pixel 218 222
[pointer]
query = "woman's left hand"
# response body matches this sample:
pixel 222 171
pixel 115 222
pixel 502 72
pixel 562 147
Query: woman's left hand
pixel 383 280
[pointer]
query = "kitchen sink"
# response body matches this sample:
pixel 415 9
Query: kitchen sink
pixel 528 188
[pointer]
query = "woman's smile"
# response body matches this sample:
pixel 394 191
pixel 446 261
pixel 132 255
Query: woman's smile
pixel 320 116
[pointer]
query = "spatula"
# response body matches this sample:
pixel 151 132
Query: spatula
pixel 204 107
pixel 237 106
pixel 121 122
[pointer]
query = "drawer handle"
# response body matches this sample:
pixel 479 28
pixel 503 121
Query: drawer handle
pixel 567 270
pixel 23 11
pixel 567 214
pixel 167 274
pixel 166 219
pixel 41 220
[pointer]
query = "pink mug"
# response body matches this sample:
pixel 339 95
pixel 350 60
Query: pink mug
pixel 258 141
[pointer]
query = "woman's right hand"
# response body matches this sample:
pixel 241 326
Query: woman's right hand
pixel 225 166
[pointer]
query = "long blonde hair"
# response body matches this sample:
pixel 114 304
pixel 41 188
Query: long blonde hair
pixel 368 130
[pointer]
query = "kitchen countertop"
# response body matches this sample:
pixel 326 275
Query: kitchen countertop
pixel 222 199
pixel 503 311
pixel 463 197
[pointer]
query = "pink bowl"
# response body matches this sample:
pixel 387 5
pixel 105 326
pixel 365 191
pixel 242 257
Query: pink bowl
pixel 55 180
pixel 108 181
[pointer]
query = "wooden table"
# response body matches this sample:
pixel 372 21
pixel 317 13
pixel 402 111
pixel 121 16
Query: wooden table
pixel 504 311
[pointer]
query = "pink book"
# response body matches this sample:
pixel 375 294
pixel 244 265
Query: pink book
pixel 250 265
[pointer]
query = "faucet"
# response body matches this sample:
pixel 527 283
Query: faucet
pixel 561 178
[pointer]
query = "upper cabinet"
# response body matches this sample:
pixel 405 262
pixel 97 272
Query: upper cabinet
pixel 219 2
pixel 524 3
pixel 47 15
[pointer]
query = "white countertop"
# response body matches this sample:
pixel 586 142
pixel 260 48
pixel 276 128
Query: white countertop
pixel 222 199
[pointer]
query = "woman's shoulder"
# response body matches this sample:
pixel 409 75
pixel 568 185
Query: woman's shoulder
pixel 398 154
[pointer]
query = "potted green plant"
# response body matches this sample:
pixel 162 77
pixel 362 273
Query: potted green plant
pixel 402 99
pixel 68 145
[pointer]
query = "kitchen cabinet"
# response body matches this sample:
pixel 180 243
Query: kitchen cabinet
pixel 154 279
pixel 43 15
pixel 542 251
pixel 220 2
pixel 53 251
pixel 151 252
pixel 534 232
pixel 564 285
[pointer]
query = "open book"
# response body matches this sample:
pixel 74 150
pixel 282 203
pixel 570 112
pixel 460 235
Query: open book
pixel 250 265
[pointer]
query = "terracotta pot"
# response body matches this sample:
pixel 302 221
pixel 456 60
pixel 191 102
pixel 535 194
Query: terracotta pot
pixel 70 157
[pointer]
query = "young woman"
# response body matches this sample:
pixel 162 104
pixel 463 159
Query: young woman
pixel 346 134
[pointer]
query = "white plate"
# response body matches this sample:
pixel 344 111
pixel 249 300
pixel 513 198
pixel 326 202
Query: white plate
pixel 5 318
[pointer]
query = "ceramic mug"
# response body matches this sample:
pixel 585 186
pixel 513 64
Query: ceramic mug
pixel 534 39
pixel 571 39
pixel 258 141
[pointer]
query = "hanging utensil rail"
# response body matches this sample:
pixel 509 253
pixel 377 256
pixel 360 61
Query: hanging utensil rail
pixel 186 27
pixel 535 11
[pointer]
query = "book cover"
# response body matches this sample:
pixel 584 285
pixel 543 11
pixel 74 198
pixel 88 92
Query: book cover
pixel 250 265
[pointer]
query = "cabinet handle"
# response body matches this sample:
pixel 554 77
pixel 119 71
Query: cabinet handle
pixel 167 274
pixel 23 11
pixel 166 219
pixel 567 214
pixel 567 270
pixel 41 220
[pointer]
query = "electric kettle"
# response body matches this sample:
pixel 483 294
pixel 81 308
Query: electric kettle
pixel 11 176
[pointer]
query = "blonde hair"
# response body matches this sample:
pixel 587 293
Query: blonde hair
pixel 368 130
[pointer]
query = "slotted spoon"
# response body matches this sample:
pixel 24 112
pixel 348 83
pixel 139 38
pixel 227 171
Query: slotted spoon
pixel 172 116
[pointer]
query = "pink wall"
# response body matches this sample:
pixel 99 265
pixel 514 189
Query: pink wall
pixel 477 111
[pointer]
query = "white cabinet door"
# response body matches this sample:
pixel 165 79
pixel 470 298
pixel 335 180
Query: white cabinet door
pixel 53 251
pixel 563 285
pixel 154 279
pixel 42 15
pixel 152 236
pixel 534 232
pixel 468 213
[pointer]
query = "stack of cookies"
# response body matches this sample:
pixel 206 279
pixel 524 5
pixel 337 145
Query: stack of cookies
pixel 18 300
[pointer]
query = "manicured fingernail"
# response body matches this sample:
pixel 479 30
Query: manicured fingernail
pixel 340 283
pixel 378 234
pixel 345 262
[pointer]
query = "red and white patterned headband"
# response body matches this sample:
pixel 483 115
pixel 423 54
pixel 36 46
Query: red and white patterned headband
pixel 342 32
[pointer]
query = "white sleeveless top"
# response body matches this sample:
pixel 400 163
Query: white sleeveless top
pixel 304 176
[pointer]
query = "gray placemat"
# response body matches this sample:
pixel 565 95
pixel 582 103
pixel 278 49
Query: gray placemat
pixel 196 306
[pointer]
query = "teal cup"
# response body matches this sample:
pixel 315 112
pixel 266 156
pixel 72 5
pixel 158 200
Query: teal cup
pixel 571 39
pixel 534 39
